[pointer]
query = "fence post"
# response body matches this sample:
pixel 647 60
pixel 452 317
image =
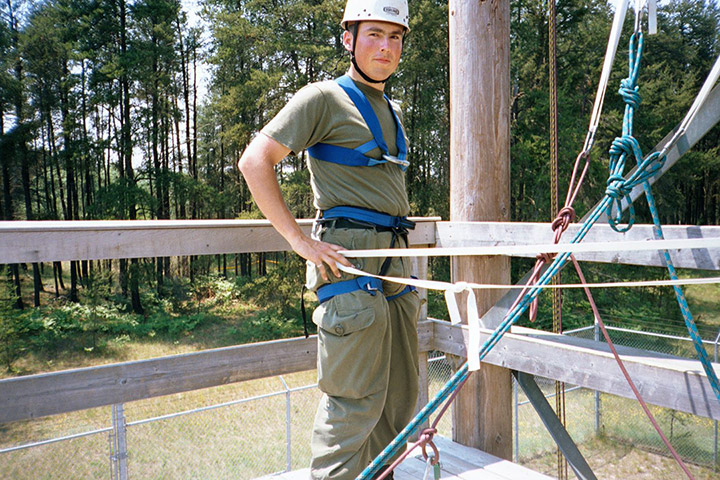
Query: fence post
pixel 596 330
pixel 420 267
pixel 715 451
pixel 119 455
pixel 516 433
pixel 288 429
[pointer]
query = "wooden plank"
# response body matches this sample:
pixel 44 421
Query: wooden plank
pixel 457 462
pixel 477 234
pixel 484 463
pixel 60 392
pixel 45 241
pixel 663 380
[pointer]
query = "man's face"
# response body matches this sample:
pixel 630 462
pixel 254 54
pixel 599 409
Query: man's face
pixel 378 48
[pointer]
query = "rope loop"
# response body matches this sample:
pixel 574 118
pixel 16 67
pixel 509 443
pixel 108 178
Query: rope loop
pixel 648 168
pixel 426 438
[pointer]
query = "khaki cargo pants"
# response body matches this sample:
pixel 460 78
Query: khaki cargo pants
pixel 367 362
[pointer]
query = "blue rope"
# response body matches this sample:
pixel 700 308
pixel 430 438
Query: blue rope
pixel 618 189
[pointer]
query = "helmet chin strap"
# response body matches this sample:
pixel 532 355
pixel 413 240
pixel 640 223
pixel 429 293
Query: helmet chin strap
pixel 354 30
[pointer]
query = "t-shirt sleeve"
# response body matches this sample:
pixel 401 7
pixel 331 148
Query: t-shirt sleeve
pixel 298 125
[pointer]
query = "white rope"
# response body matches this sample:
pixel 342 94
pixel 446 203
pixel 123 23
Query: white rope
pixel 459 287
pixel 473 318
pixel 466 286
pixel 613 42
pixel 511 250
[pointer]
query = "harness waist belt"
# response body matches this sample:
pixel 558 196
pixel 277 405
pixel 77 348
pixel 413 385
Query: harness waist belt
pixel 407 289
pixel 369 284
pixel 369 216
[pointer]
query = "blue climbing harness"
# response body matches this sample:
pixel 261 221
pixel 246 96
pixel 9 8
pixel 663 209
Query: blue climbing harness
pixel 365 218
pixel 356 157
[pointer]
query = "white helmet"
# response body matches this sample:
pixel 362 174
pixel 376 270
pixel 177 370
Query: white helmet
pixel 393 11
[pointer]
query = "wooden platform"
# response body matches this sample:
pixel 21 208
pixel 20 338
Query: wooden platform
pixel 458 462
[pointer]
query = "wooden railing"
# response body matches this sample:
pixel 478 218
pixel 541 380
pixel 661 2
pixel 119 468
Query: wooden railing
pixel 665 381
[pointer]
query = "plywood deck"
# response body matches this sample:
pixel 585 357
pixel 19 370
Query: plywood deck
pixel 458 462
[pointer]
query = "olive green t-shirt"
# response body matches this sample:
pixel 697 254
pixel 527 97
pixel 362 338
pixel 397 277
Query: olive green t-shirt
pixel 323 113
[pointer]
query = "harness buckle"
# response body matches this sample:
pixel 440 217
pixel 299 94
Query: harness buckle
pixel 396 160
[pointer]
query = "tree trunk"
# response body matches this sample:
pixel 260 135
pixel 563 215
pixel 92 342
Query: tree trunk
pixel 9 210
pixel 126 155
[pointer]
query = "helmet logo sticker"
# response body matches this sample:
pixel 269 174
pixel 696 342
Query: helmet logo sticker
pixel 391 10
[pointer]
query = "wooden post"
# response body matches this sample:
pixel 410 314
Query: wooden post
pixel 480 191
pixel 420 270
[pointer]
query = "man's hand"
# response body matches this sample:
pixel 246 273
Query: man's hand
pixel 321 254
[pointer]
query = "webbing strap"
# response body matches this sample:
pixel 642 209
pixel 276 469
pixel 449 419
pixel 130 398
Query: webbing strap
pixel 342 156
pixel 404 291
pixel 368 114
pixel 368 216
pixel 368 284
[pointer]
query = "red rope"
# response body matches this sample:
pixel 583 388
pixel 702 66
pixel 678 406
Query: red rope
pixel 626 374
pixel 562 221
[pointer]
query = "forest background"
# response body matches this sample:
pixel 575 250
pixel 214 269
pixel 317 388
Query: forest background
pixel 102 116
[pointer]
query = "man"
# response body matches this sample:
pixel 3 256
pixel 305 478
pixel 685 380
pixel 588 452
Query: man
pixel 367 337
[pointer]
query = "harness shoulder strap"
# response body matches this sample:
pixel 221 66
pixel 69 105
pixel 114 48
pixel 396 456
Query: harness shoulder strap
pixel 356 157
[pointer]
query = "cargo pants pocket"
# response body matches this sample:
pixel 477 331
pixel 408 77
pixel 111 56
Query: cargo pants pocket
pixel 353 344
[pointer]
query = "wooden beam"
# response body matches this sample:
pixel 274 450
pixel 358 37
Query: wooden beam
pixel 45 394
pixel 477 234
pixel 480 190
pixel 60 392
pixel 663 380
pixel 46 241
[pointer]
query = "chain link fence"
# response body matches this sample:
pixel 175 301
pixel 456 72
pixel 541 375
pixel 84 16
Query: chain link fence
pixel 254 429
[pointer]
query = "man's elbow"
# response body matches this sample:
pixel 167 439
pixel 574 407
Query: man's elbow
pixel 248 161
pixel 242 164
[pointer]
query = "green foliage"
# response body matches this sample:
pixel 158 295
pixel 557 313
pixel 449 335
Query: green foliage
pixel 279 289
pixel 13 328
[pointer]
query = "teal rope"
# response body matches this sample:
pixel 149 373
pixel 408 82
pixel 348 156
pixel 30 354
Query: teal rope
pixel 618 189
pixel 629 146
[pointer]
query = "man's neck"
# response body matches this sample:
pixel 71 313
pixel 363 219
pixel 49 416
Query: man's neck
pixel 352 73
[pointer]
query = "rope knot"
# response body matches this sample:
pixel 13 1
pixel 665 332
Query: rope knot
pixel 617 187
pixel 629 93
pixel 564 218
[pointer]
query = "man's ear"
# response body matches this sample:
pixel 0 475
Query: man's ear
pixel 347 40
